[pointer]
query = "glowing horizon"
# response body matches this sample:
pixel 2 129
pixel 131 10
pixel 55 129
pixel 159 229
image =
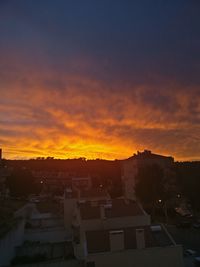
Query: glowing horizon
pixel 75 85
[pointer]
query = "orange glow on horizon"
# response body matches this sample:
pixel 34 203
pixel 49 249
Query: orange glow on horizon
pixel 82 119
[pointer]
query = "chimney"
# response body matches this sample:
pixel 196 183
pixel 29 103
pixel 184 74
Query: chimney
pixel 140 240
pixel 78 192
pixel 102 212
pixel 116 240
pixel 68 193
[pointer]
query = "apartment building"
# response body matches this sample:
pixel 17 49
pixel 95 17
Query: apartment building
pixel 132 246
pixel 118 232
pixel 131 166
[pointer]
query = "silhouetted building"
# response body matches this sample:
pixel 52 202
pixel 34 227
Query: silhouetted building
pixel 131 166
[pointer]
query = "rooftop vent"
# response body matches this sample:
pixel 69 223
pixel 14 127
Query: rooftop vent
pixel 82 201
pixel 102 212
pixel 68 190
pixel 156 228
pixel 108 206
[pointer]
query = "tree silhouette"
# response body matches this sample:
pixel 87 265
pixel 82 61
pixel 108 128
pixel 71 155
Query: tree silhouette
pixel 21 183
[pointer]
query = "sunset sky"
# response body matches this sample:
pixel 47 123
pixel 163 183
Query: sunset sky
pixel 99 78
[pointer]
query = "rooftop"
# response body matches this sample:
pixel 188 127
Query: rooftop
pixel 113 208
pixel 123 208
pixel 147 154
pixel 49 206
pixel 94 193
pixel 152 239
pixel 89 212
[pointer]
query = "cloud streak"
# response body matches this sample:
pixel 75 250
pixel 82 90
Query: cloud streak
pixel 98 82
pixel 80 119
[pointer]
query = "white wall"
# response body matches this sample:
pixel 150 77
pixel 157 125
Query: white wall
pixel 67 263
pixel 69 211
pixel 57 234
pixel 130 169
pixel 8 243
pixel 115 223
pixel 25 211
pixel 49 222
pixel 158 257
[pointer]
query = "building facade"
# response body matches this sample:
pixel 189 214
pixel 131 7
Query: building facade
pixel 130 168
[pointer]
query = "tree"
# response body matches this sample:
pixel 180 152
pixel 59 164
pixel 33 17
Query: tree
pixel 188 179
pixel 21 182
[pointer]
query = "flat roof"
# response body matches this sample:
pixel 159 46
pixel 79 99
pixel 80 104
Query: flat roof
pixel 94 193
pixel 99 241
pixel 89 212
pixel 113 208
pixel 86 194
pixel 123 208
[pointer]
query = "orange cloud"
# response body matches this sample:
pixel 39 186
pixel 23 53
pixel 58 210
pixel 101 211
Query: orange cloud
pixel 75 116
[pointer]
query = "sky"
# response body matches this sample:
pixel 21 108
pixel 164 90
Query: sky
pixel 99 79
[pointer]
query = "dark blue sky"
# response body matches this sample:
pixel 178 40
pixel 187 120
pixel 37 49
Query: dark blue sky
pixel 128 37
